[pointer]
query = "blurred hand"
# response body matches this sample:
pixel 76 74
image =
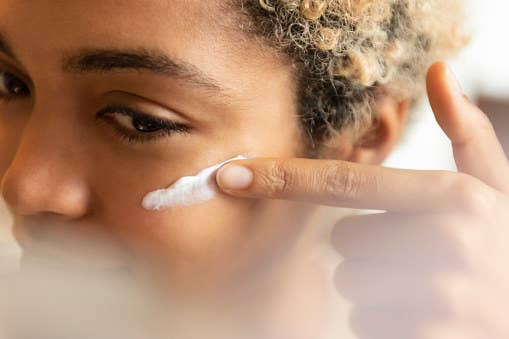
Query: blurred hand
pixel 435 265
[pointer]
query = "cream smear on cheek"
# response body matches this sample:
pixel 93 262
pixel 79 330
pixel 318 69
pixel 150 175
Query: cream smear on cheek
pixel 188 190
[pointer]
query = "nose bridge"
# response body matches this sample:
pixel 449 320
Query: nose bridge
pixel 46 174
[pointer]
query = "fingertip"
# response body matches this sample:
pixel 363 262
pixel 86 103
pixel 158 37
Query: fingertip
pixel 232 177
pixel 433 84
pixel 440 77
pixel 445 95
pixel 455 113
pixel 435 71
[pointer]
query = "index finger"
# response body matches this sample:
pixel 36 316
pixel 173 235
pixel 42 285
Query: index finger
pixel 347 184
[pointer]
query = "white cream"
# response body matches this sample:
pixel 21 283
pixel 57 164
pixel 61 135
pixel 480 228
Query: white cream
pixel 187 190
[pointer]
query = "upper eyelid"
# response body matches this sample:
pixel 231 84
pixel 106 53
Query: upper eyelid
pixel 179 113
pixel 170 128
pixel 134 113
pixel 122 109
pixel 143 105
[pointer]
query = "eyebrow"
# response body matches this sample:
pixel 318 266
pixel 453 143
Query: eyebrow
pixel 111 60
pixel 154 61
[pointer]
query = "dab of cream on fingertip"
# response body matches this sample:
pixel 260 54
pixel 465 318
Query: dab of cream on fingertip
pixel 188 190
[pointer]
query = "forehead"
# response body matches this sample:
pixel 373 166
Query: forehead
pixel 43 28
pixel 128 14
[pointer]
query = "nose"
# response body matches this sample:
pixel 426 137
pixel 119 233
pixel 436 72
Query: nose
pixel 46 175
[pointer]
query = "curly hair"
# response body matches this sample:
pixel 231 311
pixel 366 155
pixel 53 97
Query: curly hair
pixel 346 52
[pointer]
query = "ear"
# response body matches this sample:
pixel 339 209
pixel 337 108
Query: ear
pixel 377 142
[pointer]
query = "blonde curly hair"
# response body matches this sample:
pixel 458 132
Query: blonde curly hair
pixel 346 52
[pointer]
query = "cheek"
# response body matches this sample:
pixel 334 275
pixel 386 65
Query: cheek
pixel 185 242
pixel 210 241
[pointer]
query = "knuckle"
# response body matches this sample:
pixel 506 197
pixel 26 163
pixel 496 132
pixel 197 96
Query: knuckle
pixel 473 196
pixel 340 180
pixel 277 178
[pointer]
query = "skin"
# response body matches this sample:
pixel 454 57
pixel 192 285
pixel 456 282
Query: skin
pixel 65 169
pixel 74 181
pixel 432 266
pixel 74 185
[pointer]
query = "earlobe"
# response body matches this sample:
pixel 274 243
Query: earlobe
pixel 377 142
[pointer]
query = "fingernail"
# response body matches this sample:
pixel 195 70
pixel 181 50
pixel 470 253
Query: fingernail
pixel 234 177
pixel 453 80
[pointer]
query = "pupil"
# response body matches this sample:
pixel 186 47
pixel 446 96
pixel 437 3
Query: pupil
pixel 14 85
pixel 145 126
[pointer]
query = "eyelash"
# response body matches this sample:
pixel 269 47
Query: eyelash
pixel 165 128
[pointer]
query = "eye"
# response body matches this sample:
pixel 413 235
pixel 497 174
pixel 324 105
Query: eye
pixel 12 87
pixel 135 126
pixel 142 125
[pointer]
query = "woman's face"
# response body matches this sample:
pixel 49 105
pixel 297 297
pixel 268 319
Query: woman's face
pixel 103 101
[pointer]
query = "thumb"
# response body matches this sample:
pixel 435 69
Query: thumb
pixel 476 148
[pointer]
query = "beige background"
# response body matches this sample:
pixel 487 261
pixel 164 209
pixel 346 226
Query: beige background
pixel 4 224
pixel 9 252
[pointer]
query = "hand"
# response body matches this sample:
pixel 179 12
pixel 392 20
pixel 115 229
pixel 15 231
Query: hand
pixel 436 264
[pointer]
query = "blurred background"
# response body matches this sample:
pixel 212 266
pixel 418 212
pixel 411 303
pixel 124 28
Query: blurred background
pixel 8 250
pixel 483 70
